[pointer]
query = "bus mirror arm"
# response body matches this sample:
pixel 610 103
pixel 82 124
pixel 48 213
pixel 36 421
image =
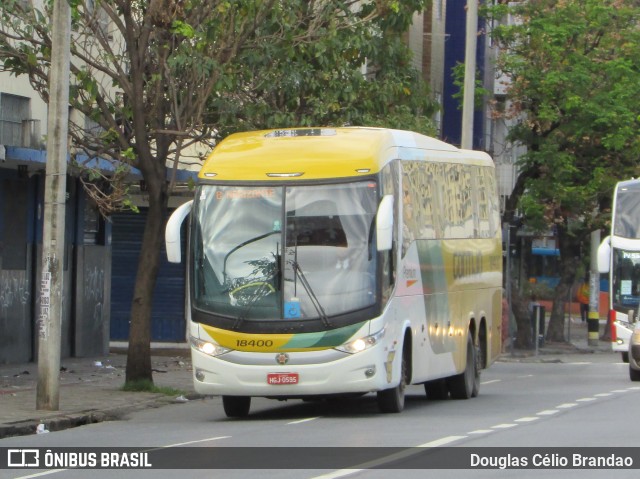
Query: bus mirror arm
pixel 604 255
pixel 384 224
pixel 172 232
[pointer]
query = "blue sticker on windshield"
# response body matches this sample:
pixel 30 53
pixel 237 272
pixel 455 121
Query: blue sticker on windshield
pixel 292 309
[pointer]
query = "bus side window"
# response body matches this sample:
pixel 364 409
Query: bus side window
pixel 390 185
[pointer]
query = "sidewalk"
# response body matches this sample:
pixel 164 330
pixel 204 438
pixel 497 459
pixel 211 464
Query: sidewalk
pixel 90 388
pixel 577 343
pixel 90 392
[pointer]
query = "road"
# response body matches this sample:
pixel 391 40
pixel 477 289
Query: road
pixel 584 401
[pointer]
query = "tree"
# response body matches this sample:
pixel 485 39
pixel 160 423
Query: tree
pixel 294 82
pixel 156 77
pixel 574 72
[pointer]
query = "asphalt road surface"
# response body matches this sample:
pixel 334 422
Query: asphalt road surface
pixel 556 408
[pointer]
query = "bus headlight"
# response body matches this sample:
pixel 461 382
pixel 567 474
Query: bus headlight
pixel 361 344
pixel 208 348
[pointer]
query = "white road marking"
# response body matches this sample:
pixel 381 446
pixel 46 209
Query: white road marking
pixel 567 405
pixel 603 395
pixel 178 444
pixel 491 381
pixel 585 399
pixel 300 421
pixel 503 426
pixel 547 412
pixel 44 473
pixel 481 431
pixel 442 441
pixel 527 419
pixel 390 458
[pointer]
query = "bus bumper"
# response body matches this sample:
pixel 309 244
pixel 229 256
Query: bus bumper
pixel 315 373
pixel 623 334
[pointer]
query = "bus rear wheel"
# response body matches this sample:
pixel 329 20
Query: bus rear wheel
pixel 466 384
pixel 392 400
pixel 236 406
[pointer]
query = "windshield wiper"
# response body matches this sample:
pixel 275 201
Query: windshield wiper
pixel 244 243
pixel 307 287
pixel 260 293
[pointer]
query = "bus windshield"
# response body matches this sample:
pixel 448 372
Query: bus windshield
pixel 627 212
pixel 626 280
pixel 284 252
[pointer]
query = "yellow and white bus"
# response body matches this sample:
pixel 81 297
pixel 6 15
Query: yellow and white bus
pixel 335 261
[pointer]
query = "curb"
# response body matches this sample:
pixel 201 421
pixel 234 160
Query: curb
pixel 554 349
pixel 71 420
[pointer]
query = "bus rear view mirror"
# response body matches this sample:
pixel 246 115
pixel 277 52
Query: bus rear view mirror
pixel 604 255
pixel 384 224
pixel 172 232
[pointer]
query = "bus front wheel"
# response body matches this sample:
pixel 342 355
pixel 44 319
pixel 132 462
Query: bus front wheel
pixel 392 400
pixel 466 384
pixel 236 406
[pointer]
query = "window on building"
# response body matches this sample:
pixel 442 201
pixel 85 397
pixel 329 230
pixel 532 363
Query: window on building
pixel 14 114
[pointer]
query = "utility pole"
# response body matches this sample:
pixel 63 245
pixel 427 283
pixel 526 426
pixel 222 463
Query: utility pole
pixel 51 285
pixel 469 74
pixel 593 319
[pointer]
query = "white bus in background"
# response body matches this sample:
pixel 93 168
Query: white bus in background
pixel 341 261
pixel 619 256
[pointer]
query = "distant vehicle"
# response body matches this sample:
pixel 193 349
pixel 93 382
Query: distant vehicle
pixel 619 255
pixel 341 261
pixel 634 354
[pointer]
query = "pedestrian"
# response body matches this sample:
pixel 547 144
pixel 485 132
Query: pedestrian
pixel 583 298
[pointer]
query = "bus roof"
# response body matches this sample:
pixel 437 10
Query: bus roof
pixel 320 153
pixel 633 183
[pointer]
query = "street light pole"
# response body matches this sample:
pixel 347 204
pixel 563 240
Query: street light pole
pixel 51 285
pixel 469 74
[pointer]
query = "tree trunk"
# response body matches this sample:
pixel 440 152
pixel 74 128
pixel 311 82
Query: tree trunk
pixel 569 262
pixel 139 352
pixel 519 307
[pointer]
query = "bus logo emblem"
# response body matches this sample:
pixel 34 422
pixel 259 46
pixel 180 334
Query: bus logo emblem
pixel 282 358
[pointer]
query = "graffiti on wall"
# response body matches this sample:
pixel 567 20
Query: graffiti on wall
pixel 14 290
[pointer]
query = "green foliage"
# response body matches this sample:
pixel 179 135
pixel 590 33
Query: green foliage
pixel 311 74
pixel 479 92
pixel 575 73
pixel 212 67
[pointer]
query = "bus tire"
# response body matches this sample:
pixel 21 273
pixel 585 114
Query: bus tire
pixel 236 406
pixel 392 400
pixel 634 374
pixel 466 384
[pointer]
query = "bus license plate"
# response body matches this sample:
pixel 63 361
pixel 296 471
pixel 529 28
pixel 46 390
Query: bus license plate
pixel 278 379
